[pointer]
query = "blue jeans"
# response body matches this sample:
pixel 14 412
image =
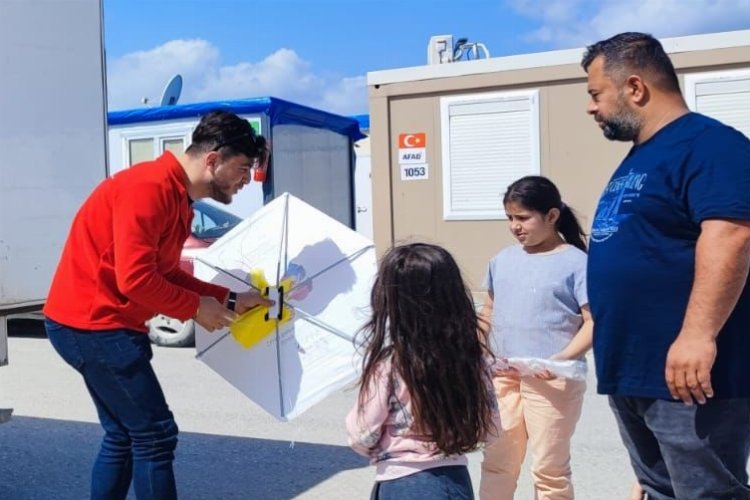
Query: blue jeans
pixel 687 452
pixel 140 431
pixel 441 483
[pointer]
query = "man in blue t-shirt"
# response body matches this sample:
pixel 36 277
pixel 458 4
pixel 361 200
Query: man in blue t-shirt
pixel 667 273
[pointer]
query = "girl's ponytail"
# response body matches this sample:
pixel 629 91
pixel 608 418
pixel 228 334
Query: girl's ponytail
pixel 570 228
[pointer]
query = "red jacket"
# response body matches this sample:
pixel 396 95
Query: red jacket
pixel 120 264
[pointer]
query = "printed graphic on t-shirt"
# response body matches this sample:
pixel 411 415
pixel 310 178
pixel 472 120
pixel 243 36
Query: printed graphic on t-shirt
pixel 612 209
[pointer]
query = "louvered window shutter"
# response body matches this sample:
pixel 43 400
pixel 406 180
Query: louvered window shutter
pixel 489 141
pixel 724 96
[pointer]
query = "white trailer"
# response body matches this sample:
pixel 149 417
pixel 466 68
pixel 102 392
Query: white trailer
pixel 52 138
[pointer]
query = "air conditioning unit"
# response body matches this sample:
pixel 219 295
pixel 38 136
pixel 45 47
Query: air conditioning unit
pixel 440 49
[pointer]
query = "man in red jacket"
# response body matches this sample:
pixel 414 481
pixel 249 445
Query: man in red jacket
pixel 119 267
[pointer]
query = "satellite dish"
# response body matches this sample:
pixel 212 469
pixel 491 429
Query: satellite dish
pixel 171 91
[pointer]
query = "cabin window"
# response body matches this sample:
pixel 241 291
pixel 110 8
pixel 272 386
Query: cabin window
pixel 488 141
pixel 140 150
pixel 175 145
pixel 723 95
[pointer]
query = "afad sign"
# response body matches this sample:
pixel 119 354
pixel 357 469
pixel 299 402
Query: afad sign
pixel 412 148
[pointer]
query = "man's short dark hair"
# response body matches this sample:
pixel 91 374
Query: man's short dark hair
pixel 229 134
pixel 634 53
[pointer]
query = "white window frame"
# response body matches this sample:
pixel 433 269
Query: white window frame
pixel 127 152
pixel 163 139
pixel 692 80
pixel 532 95
pixel 158 133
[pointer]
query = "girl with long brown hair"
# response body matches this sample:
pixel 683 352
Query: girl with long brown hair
pixel 425 394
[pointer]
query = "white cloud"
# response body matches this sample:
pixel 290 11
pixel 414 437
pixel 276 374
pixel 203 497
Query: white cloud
pixel 282 74
pixel 574 23
pixel 345 93
pixel 144 74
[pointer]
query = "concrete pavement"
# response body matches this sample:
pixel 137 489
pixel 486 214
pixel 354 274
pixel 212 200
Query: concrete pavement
pixel 229 448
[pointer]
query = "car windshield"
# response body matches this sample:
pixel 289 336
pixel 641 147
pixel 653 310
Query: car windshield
pixel 210 222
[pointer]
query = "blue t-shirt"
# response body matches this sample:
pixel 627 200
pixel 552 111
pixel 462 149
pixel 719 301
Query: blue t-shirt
pixel 642 255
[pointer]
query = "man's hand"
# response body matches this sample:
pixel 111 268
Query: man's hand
pixel 722 260
pixel 688 370
pixel 248 300
pixel 212 315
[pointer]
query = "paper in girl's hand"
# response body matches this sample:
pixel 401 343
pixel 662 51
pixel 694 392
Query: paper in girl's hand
pixel 571 369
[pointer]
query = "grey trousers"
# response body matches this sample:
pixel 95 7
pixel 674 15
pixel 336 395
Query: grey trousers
pixel 687 452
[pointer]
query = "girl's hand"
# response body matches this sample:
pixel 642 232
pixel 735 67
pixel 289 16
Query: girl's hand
pixel 509 372
pixel 544 375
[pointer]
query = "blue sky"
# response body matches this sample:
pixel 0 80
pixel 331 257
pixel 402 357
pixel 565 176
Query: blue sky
pixel 318 52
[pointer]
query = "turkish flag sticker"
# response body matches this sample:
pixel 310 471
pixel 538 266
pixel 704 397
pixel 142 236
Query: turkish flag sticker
pixel 418 140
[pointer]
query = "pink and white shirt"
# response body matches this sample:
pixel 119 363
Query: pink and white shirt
pixel 382 429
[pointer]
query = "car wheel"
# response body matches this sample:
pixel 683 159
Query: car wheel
pixel 170 332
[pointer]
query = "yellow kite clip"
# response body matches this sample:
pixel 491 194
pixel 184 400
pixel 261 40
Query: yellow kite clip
pixel 259 322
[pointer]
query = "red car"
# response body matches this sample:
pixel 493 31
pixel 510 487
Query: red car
pixel 209 224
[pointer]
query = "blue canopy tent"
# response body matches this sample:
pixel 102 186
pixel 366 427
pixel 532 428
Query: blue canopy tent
pixel 312 158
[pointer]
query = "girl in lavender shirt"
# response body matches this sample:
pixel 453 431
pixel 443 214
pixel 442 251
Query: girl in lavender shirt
pixel 425 395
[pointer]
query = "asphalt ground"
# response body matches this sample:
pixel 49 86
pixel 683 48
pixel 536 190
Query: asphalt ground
pixel 229 448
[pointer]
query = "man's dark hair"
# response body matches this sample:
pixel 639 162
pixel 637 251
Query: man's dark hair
pixel 229 134
pixel 633 53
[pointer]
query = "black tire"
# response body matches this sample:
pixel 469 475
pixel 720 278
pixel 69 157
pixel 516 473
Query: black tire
pixel 169 332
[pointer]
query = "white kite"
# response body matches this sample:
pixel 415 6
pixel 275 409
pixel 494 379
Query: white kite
pixel 319 272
